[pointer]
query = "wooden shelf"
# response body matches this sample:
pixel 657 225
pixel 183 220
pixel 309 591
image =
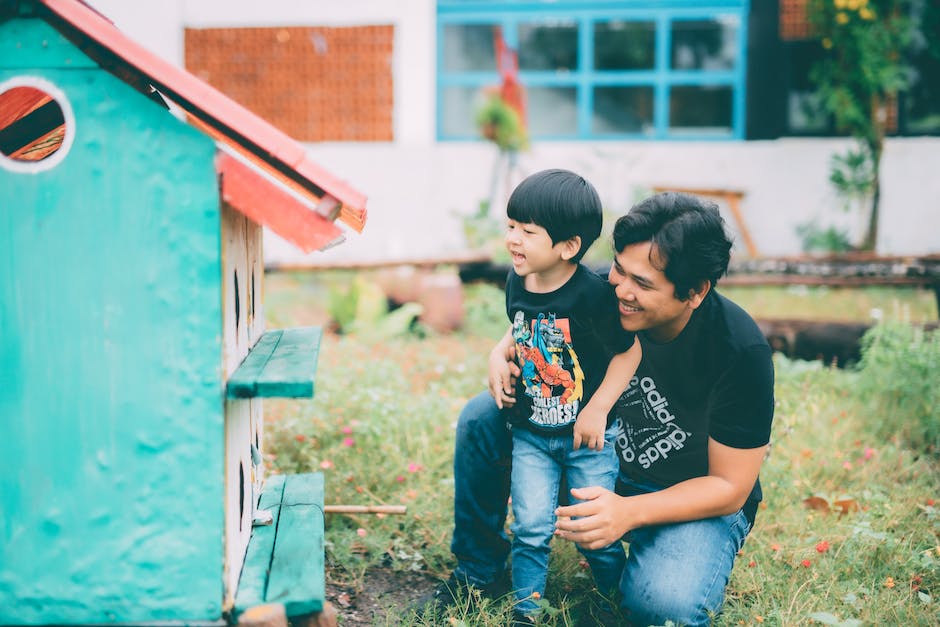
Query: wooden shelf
pixel 282 364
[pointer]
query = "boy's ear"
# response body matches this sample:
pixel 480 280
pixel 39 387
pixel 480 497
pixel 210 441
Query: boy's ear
pixel 570 247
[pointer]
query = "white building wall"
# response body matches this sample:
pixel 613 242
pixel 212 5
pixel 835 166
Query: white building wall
pixel 418 187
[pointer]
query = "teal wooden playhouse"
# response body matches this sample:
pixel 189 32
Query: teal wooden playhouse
pixel 133 354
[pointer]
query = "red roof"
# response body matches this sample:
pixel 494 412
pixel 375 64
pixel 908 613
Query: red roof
pixel 269 156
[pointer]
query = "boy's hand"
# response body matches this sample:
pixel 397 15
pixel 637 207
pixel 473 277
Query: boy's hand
pixel 502 378
pixel 589 428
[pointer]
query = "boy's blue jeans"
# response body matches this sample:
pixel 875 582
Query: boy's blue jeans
pixel 539 462
pixel 673 572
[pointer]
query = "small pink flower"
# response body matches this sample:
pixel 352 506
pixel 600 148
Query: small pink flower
pixel 361 532
pixel 400 479
pixel 348 442
pixel 806 563
pixel 413 467
pixel 869 453
pixel 847 465
pixel 300 437
pixel 326 464
pixel 347 430
pixel 822 546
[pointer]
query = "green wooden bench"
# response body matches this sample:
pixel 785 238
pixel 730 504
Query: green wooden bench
pixel 285 563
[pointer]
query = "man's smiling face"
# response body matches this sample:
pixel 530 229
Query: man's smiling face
pixel 646 298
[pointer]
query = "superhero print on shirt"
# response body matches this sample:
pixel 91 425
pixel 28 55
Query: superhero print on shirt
pixel 650 439
pixel 552 377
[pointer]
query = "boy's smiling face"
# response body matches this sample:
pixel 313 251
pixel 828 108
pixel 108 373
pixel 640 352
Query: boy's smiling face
pixel 531 248
pixel 545 266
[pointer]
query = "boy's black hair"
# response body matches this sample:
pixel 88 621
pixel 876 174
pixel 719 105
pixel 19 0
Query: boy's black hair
pixel 562 203
pixel 687 233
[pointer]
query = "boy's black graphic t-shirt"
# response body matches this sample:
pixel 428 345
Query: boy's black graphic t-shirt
pixel 714 380
pixel 564 341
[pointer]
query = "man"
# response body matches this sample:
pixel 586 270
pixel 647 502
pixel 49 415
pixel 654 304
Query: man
pixel 695 424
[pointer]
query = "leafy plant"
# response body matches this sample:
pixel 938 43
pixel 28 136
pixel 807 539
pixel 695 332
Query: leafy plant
pixel 361 307
pixel 500 124
pixel 814 238
pixel 900 369
pixel 852 175
pixel 862 68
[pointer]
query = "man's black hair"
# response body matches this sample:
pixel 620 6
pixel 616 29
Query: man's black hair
pixel 688 235
pixel 562 203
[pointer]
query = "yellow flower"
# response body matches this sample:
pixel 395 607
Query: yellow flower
pixel 842 18
pixel 827 43
pixel 852 5
pixel 889 582
pixel 866 14
pixel 840 4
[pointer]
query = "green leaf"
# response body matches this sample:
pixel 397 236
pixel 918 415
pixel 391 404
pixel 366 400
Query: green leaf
pixel 371 305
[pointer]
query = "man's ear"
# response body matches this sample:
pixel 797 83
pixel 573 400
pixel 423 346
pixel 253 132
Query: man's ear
pixel 698 295
pixel 570 247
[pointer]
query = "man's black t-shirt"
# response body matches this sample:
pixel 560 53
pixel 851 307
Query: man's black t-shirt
pixel 564 341
pixel 715 379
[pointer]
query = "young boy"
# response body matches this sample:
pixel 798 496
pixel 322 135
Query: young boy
pixel 575 360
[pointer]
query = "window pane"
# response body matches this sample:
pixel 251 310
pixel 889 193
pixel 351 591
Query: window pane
pixel 624 45
pixel 458 111
pixel 469 47
pixel 549 46
pixel 622 110
pixel 700 108
pixel 552 111
pixel 705 44
pixel 922 101
pixel 805 113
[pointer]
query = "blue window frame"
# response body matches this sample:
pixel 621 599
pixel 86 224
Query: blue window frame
pixel 599 69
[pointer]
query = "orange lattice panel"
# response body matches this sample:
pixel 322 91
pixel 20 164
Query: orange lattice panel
pixel 794 22
pixel 891 114
pixel 314 83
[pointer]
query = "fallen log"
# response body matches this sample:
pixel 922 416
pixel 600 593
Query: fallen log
pixel 833 343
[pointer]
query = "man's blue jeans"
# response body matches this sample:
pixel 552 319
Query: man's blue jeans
pixel 539 462
pixel 674 572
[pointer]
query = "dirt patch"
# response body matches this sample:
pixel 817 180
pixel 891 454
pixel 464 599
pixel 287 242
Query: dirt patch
pixel 384 592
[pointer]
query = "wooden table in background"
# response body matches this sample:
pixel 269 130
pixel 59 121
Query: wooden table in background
pixel 732 197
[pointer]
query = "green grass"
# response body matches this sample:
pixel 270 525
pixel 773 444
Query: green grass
pixel 849 533
pixel 836 303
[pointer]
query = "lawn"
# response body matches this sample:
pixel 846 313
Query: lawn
pixel 849 533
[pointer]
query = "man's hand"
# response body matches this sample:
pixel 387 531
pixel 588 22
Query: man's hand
pixel 597 522
pixel 589 428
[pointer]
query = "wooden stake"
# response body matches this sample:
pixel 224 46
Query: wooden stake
pixel 364 509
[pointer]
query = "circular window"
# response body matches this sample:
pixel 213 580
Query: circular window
pixel 36 125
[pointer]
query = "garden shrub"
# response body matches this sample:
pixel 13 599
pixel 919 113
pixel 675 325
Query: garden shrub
pixel 898 383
